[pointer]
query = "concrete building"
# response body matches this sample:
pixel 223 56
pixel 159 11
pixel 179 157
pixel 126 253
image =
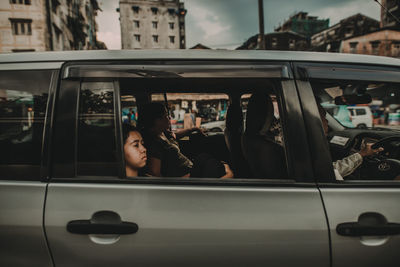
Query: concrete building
pixel 303 24
pixel 43 25
pixel 288 41
pixel 330 39
pixel 387 20
pixel 384 42
pixel 152 24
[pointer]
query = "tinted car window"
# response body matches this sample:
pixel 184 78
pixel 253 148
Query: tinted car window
pixel 361 112
pixel 23 102
pixel 96 130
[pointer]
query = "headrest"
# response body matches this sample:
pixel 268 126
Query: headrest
pixel 260 113
pixel 234 118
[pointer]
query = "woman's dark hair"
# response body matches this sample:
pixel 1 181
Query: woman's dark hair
pixel 149 113
pixel 126 129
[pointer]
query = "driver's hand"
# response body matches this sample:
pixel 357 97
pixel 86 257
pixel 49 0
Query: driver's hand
pixel 202 131
pixel 366 150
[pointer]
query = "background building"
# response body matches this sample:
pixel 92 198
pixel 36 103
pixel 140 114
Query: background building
pixel 303 24
pixel 330 39
pixel 387 20
pixel 288 41
pixel 42 25
pixel 149 24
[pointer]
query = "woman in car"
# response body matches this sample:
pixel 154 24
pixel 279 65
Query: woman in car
pixel 165 156
pixel 134 151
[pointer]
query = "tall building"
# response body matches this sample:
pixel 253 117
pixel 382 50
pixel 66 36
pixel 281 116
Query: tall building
pixel 303 24
pixel 43 25
pixel 152 24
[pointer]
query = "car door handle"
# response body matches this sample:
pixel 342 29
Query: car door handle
pixel 355 229
pixel 86 227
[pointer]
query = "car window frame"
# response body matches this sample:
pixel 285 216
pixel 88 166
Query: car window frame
pixel 289 101
pixel 322 161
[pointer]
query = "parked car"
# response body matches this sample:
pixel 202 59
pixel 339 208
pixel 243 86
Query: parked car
pixel 340 113
pixel 361 116
pixel 66 201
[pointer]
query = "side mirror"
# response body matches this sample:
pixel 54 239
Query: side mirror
pixel 353 99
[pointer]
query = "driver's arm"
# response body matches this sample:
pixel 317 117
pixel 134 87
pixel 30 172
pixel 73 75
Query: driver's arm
pixel 185 132
pixel 349 164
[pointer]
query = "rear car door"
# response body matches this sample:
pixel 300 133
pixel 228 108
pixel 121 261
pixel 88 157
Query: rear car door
pixel 96 216
pixel 25 108
pixel 362 210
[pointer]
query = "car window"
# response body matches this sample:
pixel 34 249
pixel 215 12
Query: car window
pixel 374 109
pixel 23 102
pixel 198 124
pixel 96 149
pixel 360 112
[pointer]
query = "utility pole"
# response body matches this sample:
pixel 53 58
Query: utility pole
pixel 261 39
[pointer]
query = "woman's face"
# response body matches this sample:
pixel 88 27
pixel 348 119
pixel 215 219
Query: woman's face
pixel 163 123
pixel 134 150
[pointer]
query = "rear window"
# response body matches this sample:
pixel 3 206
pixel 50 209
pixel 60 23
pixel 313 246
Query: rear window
pixel 23 103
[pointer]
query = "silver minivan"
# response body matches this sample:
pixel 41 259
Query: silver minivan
pixel 65 199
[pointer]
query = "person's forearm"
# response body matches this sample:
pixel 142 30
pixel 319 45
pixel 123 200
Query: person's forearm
pixel 348 165
pixel 183 132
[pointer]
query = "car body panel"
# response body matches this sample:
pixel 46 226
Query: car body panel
pixel 200 225
pixel 23 241
pixel 346 205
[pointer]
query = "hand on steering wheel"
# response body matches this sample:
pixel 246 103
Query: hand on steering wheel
pixel 379 165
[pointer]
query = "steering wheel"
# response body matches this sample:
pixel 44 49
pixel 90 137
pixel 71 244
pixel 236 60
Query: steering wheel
pixel 383 166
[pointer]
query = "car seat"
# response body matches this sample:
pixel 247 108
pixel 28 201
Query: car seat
pixel 264 156
pixel 233 135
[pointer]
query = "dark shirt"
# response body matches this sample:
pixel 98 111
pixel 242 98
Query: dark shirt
pixel 173 162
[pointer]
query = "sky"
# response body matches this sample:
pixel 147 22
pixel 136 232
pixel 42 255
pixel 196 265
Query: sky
pixel 229 23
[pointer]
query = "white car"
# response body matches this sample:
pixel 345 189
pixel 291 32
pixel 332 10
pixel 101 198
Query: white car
pixel 361 116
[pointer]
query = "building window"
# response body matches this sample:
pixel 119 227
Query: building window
pixel 154 10
pixel 292 43
pixel 21 26
pixel 171 11
pixel 375 47
pixel 135 9
pixel 274 42
pixel 155 38
pixel 353 47
pixel 21 2
pixel 137 37
pixel 172 39
pixel 171 25
pixel 155 24
pixel 181 26
pixel 137 23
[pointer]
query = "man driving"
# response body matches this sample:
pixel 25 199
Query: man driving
pixel 349 164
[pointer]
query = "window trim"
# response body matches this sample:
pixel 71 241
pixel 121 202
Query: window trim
pixel 280 70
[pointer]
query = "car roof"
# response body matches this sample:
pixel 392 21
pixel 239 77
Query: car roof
pixel 226 55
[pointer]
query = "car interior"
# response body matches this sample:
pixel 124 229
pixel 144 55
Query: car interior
pixel 245 107
pixel 386 164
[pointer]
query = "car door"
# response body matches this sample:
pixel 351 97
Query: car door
pixel 95 216
pixel 363 215
pixel 25 109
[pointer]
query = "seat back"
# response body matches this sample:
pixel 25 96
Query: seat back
pixel 264 156
pixel 233 134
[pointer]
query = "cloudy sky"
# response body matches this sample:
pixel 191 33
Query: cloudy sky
pixel 228 23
